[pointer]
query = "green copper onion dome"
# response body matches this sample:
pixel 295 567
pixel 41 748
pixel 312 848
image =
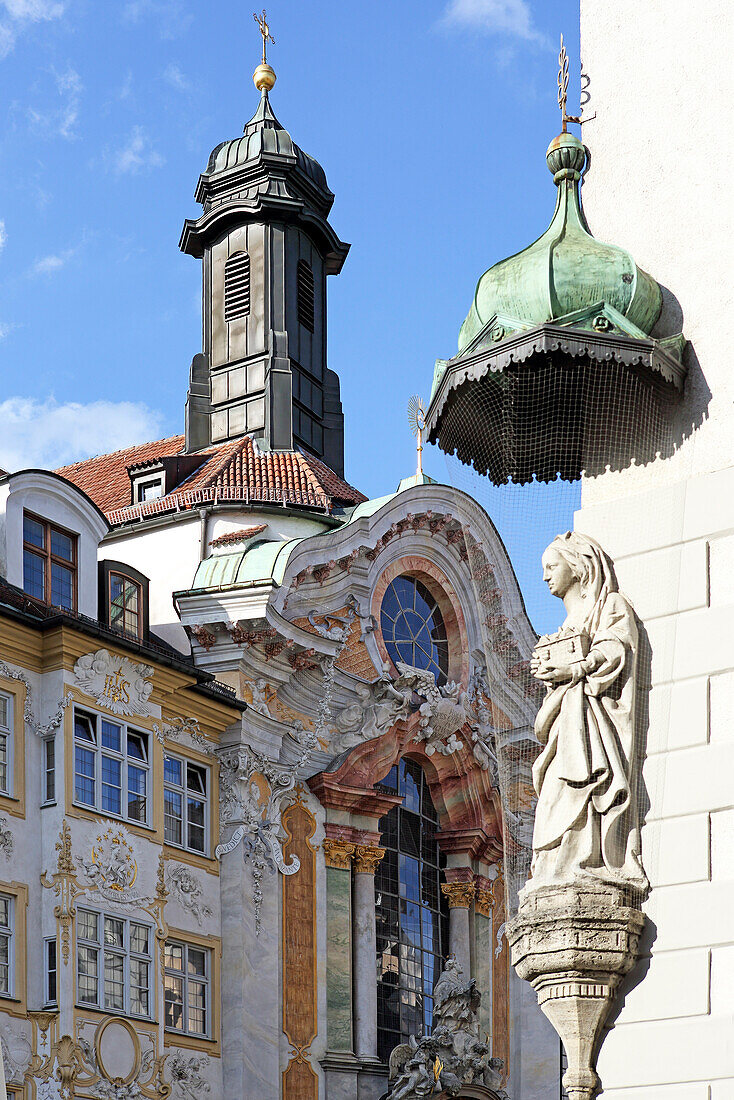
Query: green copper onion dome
pixel 564 271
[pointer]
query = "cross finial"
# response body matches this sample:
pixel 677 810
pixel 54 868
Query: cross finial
pixel 563 87
pixel 262 23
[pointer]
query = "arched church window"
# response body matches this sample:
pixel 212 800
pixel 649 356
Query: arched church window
pixel 237 286
pixel 306 296
pixel 410 911
pixel 413 628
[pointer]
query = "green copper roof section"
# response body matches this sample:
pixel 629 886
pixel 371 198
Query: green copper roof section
pixel 261 561
pixel 566 270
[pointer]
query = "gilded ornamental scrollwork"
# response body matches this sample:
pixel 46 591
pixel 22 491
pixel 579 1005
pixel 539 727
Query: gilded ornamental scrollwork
pixel 367 858
pixel 338 853
pixel 460 894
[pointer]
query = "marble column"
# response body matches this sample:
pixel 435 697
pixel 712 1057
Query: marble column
pixel 366 858
pixel 460 896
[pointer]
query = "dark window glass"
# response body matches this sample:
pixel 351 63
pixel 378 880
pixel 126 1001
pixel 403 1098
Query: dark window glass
pixel 413 628
pixel 411 912
pixel 306 296
pixel 49 563
pixel 125 604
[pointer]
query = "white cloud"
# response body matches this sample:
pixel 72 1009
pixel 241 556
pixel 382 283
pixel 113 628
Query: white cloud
pixel 3 234
pixel 173 76
pixel 503 17
pixel 47 434
pixel 23 12
pixel 135 155
pixel 34 10
pixel 48 264
pixel 172 15
pixel 61 120
pixel 5 329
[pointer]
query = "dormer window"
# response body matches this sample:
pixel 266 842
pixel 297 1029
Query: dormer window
pixel 123 599
pixel 149 489
pixel 126 600
pixel 49 562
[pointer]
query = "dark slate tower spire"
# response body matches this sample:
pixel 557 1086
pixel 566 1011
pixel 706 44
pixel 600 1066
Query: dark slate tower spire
pixel 267 248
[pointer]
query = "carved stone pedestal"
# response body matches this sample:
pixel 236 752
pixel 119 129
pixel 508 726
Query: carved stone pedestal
pixel 574 944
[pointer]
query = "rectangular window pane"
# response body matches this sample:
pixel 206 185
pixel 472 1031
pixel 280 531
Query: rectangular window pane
pixel 197 1008
pixel 4 777
pixel 174 989
pixel 62 586
pixel 62 546
pixel 84 775
pixel 172 770
pixel 196 962
pixel 51 973
pixel 196 779
pixel 34 575
pixel 136 790
pixel 139 938
pixel 111 736
pixel 114 932
pixel 87 974
pixel 4 707
pixel 34 532
pixel 84 728
pixel 139 981
pixel 114 981
pixel 111 785
pixel 173 816
pixel 137 746
pixel 174 956
pixel 49 792
pixel 86 925
pixel 196 827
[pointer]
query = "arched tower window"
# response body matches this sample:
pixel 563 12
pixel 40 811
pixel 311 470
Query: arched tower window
pixel 412 627
pixel 237 286
pixel 305 295
pixel 411 913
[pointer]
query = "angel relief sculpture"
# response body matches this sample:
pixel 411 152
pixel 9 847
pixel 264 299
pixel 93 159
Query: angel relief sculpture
pixel 586 776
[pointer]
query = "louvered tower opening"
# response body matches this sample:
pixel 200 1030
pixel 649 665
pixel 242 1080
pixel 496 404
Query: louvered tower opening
pixel 305 295
pixel 237 286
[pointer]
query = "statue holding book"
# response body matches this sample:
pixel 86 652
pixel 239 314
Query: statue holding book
pixel 586 820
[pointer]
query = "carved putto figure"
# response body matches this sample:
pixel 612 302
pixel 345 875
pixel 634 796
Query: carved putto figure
pixel 586 821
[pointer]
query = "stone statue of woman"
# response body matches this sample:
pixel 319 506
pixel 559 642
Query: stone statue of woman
pixel 586 820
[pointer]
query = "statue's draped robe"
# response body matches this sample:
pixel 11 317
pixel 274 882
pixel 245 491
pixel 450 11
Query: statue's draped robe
pixel 587 819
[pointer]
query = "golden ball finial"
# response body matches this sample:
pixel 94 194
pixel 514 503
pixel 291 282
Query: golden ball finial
pixel 264 78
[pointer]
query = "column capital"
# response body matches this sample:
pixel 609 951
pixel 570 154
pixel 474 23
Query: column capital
pixel 460 894
pixel 338 853
pixel 366 858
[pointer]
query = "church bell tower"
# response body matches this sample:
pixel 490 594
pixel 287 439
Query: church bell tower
pixel 267 248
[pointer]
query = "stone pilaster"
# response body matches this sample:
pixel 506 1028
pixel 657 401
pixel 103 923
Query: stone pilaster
pixel 460 897
pixel 366 860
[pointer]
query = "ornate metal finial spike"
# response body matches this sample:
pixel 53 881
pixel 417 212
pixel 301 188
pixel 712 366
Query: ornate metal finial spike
pixel 417 421
pixel 262 22
pixel 563 84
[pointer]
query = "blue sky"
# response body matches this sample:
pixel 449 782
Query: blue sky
pixel 430 117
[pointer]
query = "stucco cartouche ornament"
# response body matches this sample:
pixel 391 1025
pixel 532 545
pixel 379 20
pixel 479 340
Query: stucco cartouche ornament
pixel 578 927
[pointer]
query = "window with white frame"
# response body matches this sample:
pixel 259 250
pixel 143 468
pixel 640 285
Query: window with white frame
pixel 6 744
pixel 111 767
pixel 187 988
pixel 49 770
pixel 51 982
pixel 6 944
pixel 186 804
pixel 114 957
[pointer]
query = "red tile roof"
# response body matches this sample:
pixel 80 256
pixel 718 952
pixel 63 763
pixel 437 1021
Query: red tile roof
pixel 236 470
pixel 238 536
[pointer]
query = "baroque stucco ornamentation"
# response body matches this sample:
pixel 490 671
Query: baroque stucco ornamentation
pixel 338 853
pixel 111 872
pixel 186 889
pixel 460 894
pixel 6 838
pixel 186 1075
pixel 136 1052
pixel 17 1052
pixel 121 685
pixel 453 1055
pixel 576 934
pixel 176 729
pixel 41 729
pixel 367 857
